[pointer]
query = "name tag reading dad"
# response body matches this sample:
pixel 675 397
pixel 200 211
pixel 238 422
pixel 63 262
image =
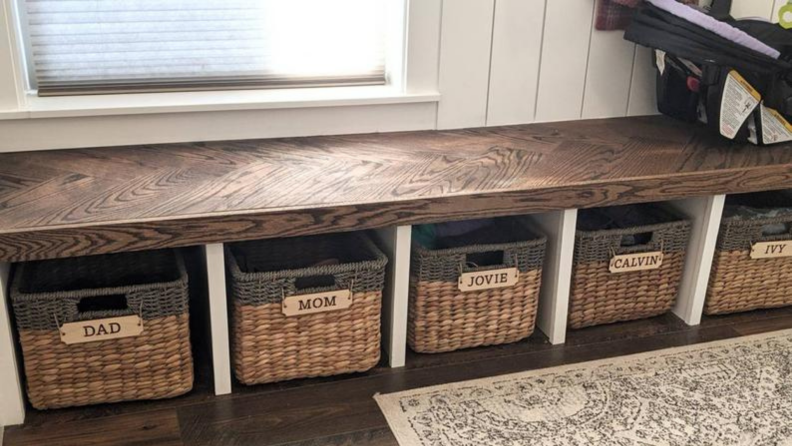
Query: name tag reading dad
pixel 101 329
pixel 769 250
pixel 317 303
pixel 636 262
pixel 487 280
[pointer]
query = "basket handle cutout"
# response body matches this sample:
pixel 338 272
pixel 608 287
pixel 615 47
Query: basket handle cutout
pixel 489 258
pixel 113 302
pixel 636 240
pixel 775 229
pixel 319 281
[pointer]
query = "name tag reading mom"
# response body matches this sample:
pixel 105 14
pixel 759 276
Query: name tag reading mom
pixel 101 329
pixel 487 280
pixel 317 303
pixel 636 262
pixel 769 250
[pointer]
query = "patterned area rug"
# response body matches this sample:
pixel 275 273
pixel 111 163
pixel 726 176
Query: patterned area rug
pixel 734 392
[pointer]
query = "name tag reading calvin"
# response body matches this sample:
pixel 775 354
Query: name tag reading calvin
pixel 317 303
pixel 769 250
pixel 636 262
pixel 487 280
pixel 101 329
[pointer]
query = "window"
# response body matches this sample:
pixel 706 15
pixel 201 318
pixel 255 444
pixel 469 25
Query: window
pixel 76 47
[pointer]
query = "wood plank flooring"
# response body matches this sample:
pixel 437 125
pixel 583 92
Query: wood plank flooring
pixel 340 411
pixel 95 201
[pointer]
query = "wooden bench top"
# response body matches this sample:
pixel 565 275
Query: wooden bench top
pixel 95 201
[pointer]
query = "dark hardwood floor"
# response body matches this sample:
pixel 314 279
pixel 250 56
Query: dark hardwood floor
pixel 341 411
pixel 97 201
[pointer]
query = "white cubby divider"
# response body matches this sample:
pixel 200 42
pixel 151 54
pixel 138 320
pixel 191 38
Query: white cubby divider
pixel 218 317
pixel 705 213
pixel 559 227
pixel 12 408
pixel 396 241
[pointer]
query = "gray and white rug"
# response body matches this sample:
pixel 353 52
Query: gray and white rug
pixel 734 392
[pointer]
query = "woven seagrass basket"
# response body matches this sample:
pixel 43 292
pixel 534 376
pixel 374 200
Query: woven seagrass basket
pixel 50 295
pixel 268 345
pixel 444 318
pixel 737 281
pixel 600 296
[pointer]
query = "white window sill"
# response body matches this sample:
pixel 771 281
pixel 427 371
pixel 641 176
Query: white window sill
pixel 151 103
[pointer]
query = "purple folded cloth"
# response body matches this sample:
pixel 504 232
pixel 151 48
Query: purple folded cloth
pixel 711 24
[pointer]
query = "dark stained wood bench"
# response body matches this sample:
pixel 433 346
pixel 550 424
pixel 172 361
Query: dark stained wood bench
pixel 95 201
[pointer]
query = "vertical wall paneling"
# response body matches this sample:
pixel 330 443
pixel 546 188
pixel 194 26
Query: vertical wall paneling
pixel 218 317
pixel 705 213
pixel 565 49
pixel 643 87
pixel 12 405
pixel 8 79
pixel 423 45
pixel 776 7
pixel 559 227
pixel 465 44
pixel 610 70
pixel 396 43
pixel 153 128
pixel 516 53
pixel 395 241
pixel 752 8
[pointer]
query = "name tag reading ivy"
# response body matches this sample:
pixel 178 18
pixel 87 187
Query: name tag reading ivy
pixel 317 302
pixel 636 262
pixel 101 329
pixel 487 280
pixel 769 250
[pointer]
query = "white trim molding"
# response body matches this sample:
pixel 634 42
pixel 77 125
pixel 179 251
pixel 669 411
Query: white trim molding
pixel 205 101
pixel 12 406
pixel 102 131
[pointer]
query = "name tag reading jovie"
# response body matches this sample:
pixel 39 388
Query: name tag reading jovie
pixel 769 250
pixel 317 303
pixel 636 262
pixel 487 280
pixel 101 329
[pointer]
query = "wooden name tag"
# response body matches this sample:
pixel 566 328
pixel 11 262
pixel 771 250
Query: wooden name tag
pixel 317 303
pixel 636 262
pixel 101 329
pixel 769 250
pixel 487 280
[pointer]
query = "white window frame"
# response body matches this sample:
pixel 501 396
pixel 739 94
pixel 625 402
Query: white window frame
pixel 412 66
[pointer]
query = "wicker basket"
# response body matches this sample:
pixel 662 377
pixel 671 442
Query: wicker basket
pixel 737 281
pixel 443 318
pixel 269 346
pixel 155 364
pixel 599 296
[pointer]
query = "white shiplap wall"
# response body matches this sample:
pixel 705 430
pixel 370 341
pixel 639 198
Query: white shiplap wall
pixel 546 63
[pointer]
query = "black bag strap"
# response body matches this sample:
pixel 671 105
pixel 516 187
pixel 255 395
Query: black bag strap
pixel 721 10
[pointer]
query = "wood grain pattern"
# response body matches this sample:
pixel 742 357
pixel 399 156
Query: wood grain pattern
pixel 95 201
pixel 156 427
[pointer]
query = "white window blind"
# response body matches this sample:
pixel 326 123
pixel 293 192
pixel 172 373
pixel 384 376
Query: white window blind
pixel 122 46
